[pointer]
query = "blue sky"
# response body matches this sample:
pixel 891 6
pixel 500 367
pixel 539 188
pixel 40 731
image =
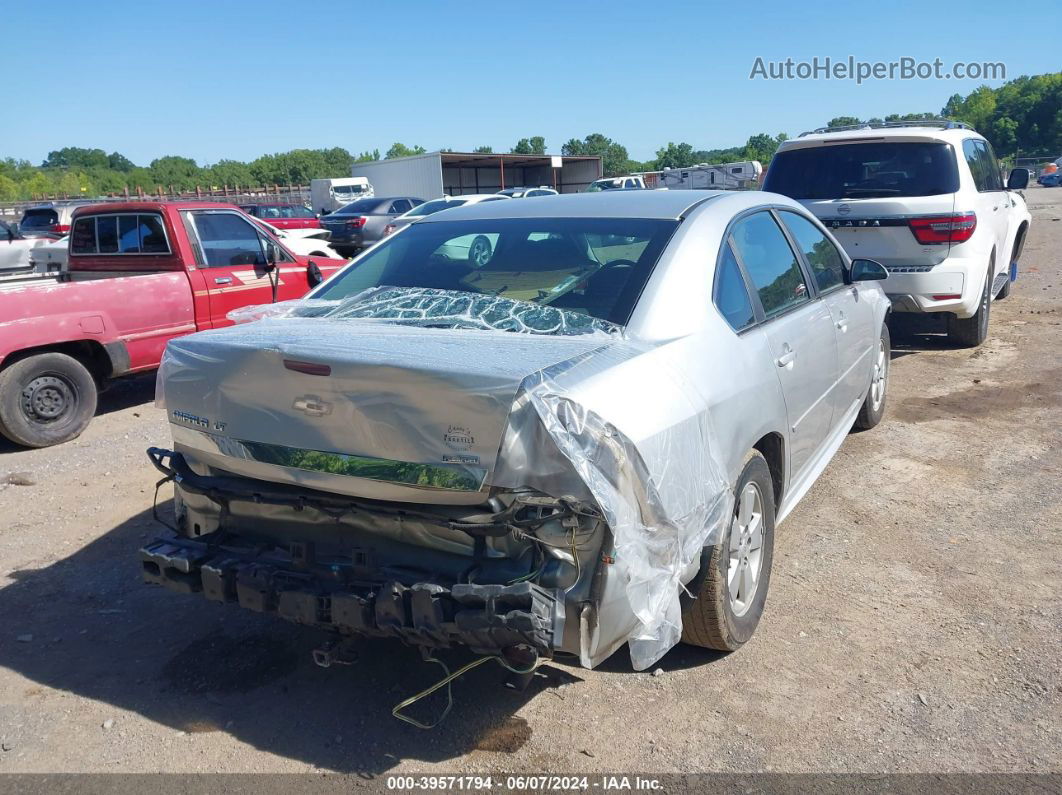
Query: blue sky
pixel 234 79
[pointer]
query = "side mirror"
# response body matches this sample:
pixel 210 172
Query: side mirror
pixel 273 255
pixel 867 270
pixel 1018 179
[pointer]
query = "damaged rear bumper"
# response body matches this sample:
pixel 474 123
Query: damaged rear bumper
pixel 488 619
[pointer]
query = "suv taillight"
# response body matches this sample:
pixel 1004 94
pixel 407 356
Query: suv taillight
pixel 956 228
pixel 356 223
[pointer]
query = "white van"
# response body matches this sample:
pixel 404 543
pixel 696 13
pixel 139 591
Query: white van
pixel 328 195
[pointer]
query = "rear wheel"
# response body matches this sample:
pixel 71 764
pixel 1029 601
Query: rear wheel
pixel 46 399
pixel 969 332
pixel 730 590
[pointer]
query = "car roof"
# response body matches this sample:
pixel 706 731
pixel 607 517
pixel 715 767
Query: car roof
pixel 906 133
pixel 618 204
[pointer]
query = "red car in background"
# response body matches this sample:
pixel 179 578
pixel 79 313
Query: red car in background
pixel 284 215
pixel 140 274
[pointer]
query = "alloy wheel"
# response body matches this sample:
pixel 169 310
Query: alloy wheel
pixel 746 550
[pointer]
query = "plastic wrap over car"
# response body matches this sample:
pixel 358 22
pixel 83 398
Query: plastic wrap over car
pixel 643 453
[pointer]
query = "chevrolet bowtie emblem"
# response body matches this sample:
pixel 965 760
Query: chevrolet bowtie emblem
pixel 312 406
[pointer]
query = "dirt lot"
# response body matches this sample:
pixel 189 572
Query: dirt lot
pixel 914 621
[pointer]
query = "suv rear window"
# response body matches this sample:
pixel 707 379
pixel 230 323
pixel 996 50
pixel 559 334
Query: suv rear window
pixel 39 219
pixel 864 171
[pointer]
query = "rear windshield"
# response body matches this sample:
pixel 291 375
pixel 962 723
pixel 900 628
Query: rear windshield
pixel 864 171
pixel 268 211
pixel 39 219
pixel 434 206
pixel 358 207
pixel 595 267
pixel 348 191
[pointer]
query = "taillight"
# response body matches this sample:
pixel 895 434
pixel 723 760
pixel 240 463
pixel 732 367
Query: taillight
pixel 356 223
pixel 944 229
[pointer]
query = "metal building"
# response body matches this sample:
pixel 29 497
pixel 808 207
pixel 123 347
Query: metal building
pixel 454 173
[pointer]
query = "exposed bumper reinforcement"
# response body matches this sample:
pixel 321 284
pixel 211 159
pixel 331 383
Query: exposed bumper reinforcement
pixel 486 618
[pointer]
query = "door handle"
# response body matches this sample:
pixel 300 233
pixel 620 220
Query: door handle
pixel 787 358
pixel 223 280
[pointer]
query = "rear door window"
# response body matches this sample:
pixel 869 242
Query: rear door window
pixel 731 295
pixel 827 264
pixel 401 206
pixel 864 171
pixel 770 263
pixel 983 166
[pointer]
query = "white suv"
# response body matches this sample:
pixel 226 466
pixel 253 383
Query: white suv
pixel 927 200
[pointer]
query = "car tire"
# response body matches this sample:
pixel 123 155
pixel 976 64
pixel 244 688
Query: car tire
pixel 720 612
pixel 46 399
pixel 480 252
pixel 969 332
pixel 873 408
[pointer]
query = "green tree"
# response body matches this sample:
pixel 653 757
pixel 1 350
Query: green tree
pixel 9 189
pixel 535 145
pixel 181 172
pixel 675 156
pixel 401 150
pixel 228 173
pixel 614 158
pixel 76 157
pixel 483 150
pixel 119 162
pixel 842 121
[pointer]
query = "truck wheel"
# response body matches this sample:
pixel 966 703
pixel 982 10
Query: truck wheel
pixel 873 408
pixel 46 399
pixel 730 590
pixel 969 332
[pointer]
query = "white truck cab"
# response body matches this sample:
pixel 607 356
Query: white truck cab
pixel 328 195
pixel 926 200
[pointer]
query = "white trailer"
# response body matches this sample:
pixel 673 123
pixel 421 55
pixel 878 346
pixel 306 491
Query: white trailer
pixel 717 176
pixel 328 195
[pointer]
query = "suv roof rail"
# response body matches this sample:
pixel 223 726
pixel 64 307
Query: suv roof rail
pixel 946 124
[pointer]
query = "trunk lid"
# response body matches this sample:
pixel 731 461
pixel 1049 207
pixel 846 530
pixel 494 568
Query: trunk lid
pixel 354 407
pixel 879 228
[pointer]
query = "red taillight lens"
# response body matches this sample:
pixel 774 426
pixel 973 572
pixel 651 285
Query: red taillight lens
pixel 944 229
pixel 309 368
pixel 356 223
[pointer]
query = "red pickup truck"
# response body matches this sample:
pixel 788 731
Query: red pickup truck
pixel 141 273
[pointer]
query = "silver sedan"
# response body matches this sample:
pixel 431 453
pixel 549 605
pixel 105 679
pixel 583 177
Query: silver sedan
pixel 585 438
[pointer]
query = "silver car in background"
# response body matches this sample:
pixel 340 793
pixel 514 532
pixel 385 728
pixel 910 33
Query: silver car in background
pixel 585 440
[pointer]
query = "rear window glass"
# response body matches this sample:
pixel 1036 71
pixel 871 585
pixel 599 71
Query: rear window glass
pixel 864 171
pixel 434 206
pixel 587 266
pixel 360 206
pixel 130 233
pixel 39 219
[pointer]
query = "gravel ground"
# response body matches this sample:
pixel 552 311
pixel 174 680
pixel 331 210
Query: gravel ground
pixel 913 622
